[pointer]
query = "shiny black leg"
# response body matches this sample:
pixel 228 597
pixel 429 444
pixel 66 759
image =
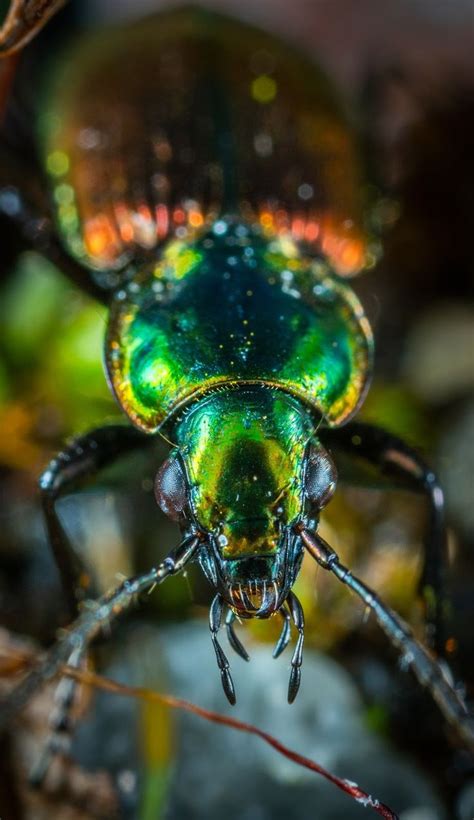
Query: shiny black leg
pixel 400 463
pixel 60 722
pixel 215 620
pixel 72 647
pixel 67 471
pixel 81 460
pixel 431 675
pixel 23 21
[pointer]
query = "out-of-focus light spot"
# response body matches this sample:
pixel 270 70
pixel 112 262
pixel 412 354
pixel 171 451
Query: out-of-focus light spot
pixel 311 231
pixel 220 227
pixel 89 138
pixel 179 216
pixel 263 89
pixel 305 191
pixel 351 256
pixel 99 236
pixel 195 219
pixel 162 220
pixel 64 194
pixel 263 144
pixel 57 163
pixel 266 220
pixel 297 228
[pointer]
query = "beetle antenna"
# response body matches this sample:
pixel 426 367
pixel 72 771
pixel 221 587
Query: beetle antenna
pixel 426 668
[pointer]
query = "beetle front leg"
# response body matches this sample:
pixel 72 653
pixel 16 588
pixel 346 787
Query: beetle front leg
pixel 398 461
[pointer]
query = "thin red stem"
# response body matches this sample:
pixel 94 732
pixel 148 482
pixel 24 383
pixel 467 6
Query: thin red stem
pixel 346 786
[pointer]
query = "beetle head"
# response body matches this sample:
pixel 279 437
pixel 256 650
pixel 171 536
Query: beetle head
pixel 245 471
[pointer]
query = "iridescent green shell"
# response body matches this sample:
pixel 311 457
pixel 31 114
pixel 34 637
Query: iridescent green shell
pixel 221 169
pixel 236 308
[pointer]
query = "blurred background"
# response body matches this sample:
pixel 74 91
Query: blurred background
pixel 406 74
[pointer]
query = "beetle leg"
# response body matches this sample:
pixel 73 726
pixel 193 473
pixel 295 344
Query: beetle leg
pixel 24 19
pixel 398 461
pixel 426 668
pixel 234 641
pixel 72 647
pixel 215 618
pixel 84 457
pixel 285 634
pixel 60 723
pixel 297 659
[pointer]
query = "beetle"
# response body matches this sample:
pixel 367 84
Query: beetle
pixel 212 198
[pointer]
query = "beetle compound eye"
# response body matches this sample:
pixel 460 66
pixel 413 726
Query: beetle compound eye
pixel 321 476
pixel 171 488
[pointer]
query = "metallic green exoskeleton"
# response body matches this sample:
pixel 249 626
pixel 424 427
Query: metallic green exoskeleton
pixel 219 181
pixel 206 187
pixel 206 184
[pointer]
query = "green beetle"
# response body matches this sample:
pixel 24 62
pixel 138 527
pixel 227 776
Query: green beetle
pixel 212 198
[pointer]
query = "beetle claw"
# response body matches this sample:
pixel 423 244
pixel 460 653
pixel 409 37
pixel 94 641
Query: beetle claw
pixel 228 686
pixel 215 618
pixel 294 684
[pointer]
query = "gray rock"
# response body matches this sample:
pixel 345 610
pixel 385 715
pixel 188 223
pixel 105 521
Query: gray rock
pixel 219 772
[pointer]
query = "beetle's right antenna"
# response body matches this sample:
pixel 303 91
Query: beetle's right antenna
pixel 424 665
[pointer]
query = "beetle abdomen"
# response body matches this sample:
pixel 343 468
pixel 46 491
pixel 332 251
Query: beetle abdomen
pixel 157 128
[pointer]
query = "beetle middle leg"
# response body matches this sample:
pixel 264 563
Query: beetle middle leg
pixel 399 462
